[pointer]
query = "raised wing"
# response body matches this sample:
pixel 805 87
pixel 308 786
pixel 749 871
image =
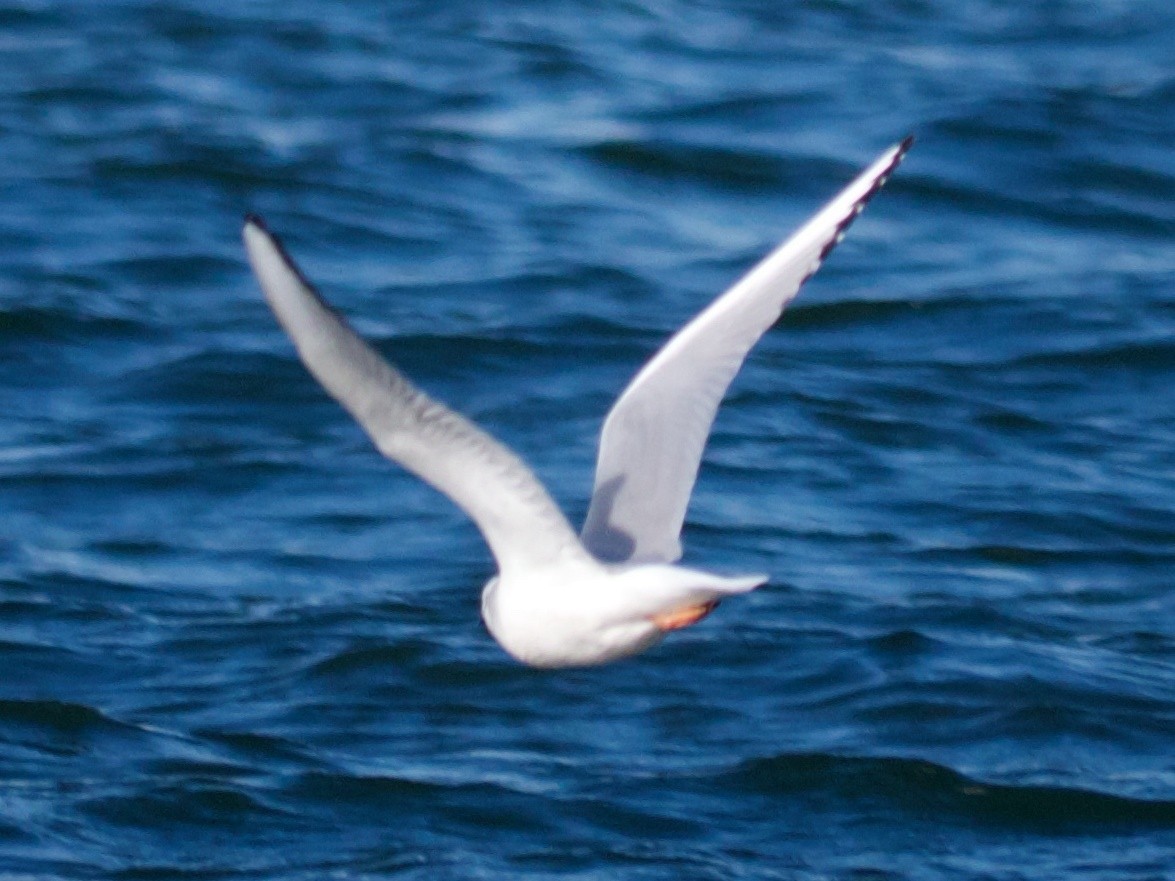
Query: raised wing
pixel 652 441
pixel 520 522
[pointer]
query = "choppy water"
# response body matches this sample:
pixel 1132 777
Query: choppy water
pixel 235 643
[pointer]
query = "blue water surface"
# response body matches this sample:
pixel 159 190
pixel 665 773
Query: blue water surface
pixel 236 643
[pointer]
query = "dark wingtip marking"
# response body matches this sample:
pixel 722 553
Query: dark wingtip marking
pixel 255 220
pixel 859 206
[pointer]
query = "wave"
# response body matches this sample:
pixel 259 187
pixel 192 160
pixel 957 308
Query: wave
pixel 922 787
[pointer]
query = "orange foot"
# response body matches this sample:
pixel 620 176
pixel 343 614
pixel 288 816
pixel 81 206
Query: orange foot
pixel 684 617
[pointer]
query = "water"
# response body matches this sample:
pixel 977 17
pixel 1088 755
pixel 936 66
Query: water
pixel 236 643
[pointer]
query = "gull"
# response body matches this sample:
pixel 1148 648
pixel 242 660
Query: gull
pixel 558 599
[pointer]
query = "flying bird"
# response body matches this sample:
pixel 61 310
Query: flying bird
pixel 561 599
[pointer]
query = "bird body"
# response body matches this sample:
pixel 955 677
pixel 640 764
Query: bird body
pixel 540 618
pixel 560 599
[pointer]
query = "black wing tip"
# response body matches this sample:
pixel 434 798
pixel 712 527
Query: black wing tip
pixel 256 220
pixel 900 150
pixel 899 153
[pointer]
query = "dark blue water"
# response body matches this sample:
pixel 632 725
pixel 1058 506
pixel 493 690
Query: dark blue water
pixel 235 643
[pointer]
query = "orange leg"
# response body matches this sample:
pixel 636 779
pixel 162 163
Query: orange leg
pixel 685 616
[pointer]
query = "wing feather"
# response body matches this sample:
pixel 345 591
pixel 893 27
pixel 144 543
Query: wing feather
pixel 652 441
pixel 522 525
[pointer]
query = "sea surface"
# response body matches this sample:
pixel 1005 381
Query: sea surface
pixel 236 643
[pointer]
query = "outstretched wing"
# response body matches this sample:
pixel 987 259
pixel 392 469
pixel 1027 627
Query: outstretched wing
pixel 652 441
pixel 523 526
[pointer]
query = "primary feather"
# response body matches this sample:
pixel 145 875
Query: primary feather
pixel 652 441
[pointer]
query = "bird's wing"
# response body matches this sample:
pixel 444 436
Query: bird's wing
pixel 522 525
pixel 651 444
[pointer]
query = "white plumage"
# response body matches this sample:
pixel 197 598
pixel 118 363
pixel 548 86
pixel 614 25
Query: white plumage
pixel 558 599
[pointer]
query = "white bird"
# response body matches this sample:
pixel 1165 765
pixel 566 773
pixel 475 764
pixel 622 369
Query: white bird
pixel 561 600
